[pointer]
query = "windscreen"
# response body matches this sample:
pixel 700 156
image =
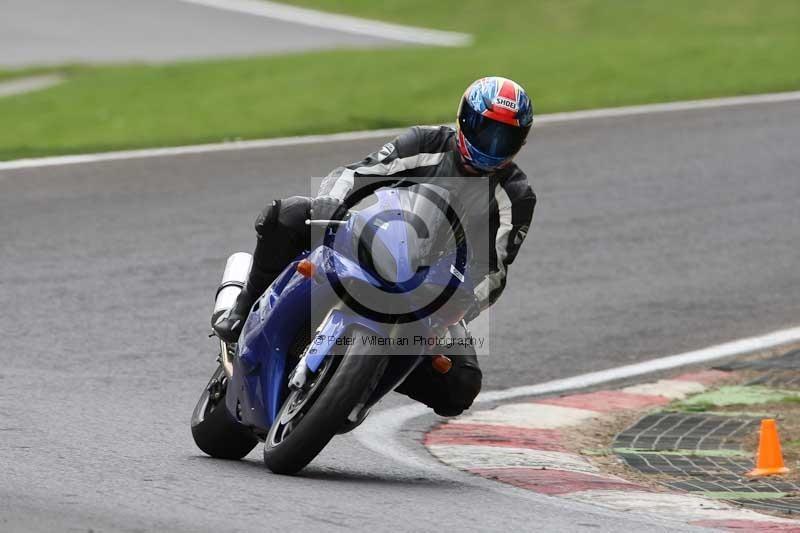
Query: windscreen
pixel 396 243
pixel 436 221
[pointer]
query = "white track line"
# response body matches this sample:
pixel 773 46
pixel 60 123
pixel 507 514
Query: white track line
pixel 380 432
pixel 540 120
pixel 668 107
pixel 29 84
pixel 712 353
pixel 196 149
pixel 342 23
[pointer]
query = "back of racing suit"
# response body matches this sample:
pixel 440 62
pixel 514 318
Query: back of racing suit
pixel 499 209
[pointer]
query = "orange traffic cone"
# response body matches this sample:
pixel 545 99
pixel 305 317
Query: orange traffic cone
pixel 770 458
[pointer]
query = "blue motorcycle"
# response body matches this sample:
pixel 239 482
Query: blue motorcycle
pixel 321 346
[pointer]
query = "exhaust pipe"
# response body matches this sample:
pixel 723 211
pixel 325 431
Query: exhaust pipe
pixel 237 269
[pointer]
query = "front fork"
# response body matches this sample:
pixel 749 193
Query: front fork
pixel 226 355
pixel 332 327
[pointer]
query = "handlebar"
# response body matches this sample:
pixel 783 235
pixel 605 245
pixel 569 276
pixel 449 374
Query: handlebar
pixel 325 223
pixel 321 222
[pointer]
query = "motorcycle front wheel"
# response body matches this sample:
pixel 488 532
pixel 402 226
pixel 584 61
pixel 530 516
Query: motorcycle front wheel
pixel 310 417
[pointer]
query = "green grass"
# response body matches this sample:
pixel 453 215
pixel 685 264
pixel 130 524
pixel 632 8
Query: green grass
pixel 570 54
pixel 735 395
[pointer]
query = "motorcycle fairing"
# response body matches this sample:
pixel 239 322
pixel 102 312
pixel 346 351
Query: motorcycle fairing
pixel 259 383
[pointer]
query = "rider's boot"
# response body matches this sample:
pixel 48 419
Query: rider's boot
pixel 229 325
pixel 282 234
pixel 262 274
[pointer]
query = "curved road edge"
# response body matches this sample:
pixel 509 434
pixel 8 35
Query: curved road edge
pixel 570 476
pixel 539 120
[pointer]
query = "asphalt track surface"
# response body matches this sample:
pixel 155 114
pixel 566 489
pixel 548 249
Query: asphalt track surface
pixel 654 234
pixel 48 32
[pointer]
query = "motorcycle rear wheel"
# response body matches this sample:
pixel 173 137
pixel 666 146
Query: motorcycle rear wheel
pixel 215 430
pixel 338 388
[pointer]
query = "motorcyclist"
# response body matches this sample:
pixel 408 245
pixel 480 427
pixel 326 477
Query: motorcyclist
pixel 493 121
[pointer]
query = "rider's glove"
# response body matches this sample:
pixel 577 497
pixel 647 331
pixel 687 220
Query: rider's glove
pixel 473 312
pixel 327 208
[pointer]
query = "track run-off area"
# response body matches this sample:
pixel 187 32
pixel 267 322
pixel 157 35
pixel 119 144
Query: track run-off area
pixel 656 233
pixel 47 32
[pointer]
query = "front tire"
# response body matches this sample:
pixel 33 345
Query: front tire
pixel 339 386
pixel 214 429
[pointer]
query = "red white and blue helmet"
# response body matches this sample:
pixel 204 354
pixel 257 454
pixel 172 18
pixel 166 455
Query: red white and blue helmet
pixel 494 118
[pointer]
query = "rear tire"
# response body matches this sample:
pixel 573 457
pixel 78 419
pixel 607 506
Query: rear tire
pixel 215 430
pixel 342 388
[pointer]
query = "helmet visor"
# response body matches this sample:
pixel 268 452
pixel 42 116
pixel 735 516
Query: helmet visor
pixel 489 136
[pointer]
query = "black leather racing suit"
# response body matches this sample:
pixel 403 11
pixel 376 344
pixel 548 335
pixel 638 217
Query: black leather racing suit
pixel 502 208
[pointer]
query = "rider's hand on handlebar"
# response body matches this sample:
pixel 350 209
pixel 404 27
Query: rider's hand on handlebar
pixel 327 208
pixel 472 312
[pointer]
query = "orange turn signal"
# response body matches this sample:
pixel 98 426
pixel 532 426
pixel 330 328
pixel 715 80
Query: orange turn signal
pixel 306 268
pixel 441 363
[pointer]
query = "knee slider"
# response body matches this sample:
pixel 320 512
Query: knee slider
pixel 464 386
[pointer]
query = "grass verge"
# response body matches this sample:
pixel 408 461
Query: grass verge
pixel 571 54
